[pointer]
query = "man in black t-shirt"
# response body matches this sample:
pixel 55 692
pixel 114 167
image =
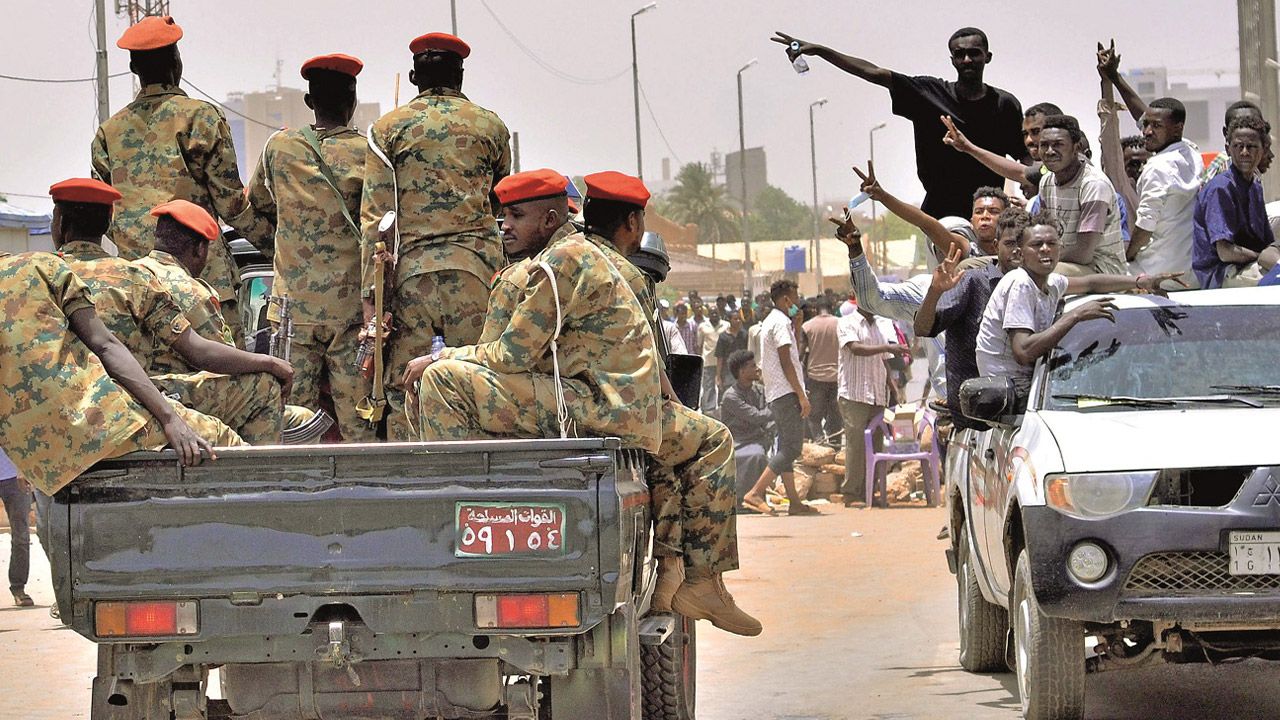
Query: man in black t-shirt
pixel 989 116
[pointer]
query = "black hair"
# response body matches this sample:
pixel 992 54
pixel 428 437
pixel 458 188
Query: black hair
pixel 739 359
pixel 992 192
pixel 84 220
pixel 1044 217
pixel 1240 105
pixel 330 89
pixel 1249 122
pixel 1013 218
pixel 1044 108
pixel 175 238
pixel 1173 105
pixel 153 65
pixel 780 288
pixel 437 69
pixel 1132 141
pixel 1064 122
pixel 604 217
pixel 821 302
pixel 969 32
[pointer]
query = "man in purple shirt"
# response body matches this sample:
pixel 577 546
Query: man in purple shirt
pixel 1231 228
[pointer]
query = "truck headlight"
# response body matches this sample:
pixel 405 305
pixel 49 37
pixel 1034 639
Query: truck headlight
pixel 1097 495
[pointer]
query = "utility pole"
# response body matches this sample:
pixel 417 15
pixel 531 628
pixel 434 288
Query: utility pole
pixel 635 85
pixel 884 242
pixel 813 162
pixel 453 15
pixel 742 180
pixel 100 18
pixel 1258 66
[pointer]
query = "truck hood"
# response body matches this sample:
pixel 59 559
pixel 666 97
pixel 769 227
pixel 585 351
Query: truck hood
pixel 1102 441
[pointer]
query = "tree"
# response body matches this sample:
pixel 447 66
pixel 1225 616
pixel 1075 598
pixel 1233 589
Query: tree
pixel 697 199
pixel 775 215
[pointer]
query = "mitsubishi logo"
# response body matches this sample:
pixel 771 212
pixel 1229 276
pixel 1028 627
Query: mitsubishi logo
pixel 1270 494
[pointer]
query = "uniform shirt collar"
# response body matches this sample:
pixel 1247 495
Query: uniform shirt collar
pixel 159 89
pixel 167 259
pixel 442 91
pixel 83 250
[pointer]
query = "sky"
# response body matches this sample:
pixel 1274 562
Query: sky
pixel 559 73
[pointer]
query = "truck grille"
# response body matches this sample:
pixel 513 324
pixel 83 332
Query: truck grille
pixel 1193 574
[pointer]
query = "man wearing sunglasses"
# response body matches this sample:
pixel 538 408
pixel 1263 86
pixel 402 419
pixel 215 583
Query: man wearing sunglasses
pixel 989 116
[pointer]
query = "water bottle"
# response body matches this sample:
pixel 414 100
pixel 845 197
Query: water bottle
pixel 798 62
pixel 857 200
pixel 437 344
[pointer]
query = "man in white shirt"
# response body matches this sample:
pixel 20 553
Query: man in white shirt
pixel 1162 236
pixel 785 393
pixel 863 389
pixel 708 335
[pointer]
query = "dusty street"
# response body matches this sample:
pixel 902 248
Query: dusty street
pixel 855 627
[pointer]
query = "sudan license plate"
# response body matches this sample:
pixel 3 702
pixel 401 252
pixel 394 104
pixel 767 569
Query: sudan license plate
pixel 1254 552
pixel 495 529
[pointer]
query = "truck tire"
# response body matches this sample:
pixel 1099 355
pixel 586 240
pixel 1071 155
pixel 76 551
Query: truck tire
pixel 1050 655
pixel 670 674
pixel 984 626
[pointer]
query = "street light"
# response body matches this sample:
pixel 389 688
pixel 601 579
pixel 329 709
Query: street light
pixel 884 244
pixel 816 248
pixel 742 180
pixel 635 84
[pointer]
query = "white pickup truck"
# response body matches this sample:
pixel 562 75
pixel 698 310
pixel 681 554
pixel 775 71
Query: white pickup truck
pixel 1131 515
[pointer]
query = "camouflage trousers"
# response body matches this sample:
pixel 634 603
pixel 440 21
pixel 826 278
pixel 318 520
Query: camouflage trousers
pixel 453 302
pixel 693 497
pixel 249 403
pixel 320 350
pixel 463 401
pixel 152 437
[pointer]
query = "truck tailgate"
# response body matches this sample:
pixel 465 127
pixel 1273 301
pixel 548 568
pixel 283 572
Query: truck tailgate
pixel 318 520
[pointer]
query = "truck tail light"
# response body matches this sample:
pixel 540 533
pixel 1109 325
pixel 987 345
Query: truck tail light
pixel 543 610
pixel 145 619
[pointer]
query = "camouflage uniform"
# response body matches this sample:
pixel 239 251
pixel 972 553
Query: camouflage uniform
pixel 447 154
pixel 138 310
pixel 317 262
pixel 691 477
pixel 606 353
pixel 60 412
pixel 198 302
pixel 164 146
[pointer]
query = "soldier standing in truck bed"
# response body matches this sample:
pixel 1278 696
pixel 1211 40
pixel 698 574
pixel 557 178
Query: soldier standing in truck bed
pixel 138 310
pixel 308 184
pixel 165 145
pixel 434 161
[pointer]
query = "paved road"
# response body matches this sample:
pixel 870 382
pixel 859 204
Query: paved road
pixel 856 628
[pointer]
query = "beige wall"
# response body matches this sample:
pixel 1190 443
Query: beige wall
pixel 17 240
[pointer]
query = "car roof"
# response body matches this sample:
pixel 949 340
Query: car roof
pixel 1219 297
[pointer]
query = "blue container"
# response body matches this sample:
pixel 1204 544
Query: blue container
pixel 793 259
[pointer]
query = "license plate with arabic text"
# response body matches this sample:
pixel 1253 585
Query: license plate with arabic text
pixel 495 529
pixel 1254 552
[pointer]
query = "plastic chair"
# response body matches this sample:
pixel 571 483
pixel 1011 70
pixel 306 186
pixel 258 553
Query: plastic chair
pixel 903 449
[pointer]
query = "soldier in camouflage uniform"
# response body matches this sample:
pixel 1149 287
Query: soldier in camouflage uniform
pixel 308 183
pixel 605 348
pixel 137 309
pixel 691 476
pixel 165 145
pixel 70 392
pixel 434 161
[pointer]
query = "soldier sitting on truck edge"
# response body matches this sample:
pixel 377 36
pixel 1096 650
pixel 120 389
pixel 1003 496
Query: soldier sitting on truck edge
pixel 607 375
pixel 72 394
pixel 691 476
pixel 142 314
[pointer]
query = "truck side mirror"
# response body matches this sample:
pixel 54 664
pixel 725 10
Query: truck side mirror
pixel 990 400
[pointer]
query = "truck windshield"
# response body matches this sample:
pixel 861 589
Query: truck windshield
pixel 1175 351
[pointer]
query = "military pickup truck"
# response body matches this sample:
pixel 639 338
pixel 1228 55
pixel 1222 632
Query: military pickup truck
pixel 1131 515
pixel 488 579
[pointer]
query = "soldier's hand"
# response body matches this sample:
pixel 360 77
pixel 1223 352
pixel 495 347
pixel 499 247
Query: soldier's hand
pixel 413 373
pixel 283 372
pixel 191 448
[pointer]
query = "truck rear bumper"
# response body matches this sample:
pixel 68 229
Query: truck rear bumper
pixel 1165 564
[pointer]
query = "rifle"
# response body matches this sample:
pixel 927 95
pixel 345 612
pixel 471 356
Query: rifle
pixel 373 408
pixel 281 344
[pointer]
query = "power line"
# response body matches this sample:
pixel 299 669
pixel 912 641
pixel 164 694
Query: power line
pixel 654 118
pixel 18 78
pixel 568 77
pixel 229 109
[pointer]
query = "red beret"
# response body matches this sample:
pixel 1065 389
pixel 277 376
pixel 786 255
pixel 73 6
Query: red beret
pixel 84 190
pixel 441 42
pixel 337 62
pixel 150 33
pixel 190 215
pixel 530 185
pixel 613 185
